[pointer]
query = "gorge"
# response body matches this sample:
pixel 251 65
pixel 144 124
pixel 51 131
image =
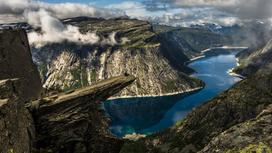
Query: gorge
pixel 147 115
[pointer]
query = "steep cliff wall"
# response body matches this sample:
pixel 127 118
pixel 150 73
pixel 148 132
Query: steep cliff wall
pixel 16 62
pixel 17 131
pixel 155 58
pixel 252 60
pixel 70 122
pixel 19 83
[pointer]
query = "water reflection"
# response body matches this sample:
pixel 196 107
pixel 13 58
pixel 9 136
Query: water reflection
pixel 136 114
pixel 149 115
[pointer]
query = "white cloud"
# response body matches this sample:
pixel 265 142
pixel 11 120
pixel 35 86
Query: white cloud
pixel 46 16
pixel 54 31
pixel 134 9
pixel 245 9
pixel 59 10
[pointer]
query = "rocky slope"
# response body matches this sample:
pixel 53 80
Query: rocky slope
pixel 70 122
pixel 250 136
pixel 19 83
pixel 156 56
pixel 11 60
pixel 236 120
pixel 248 34
pixel 17 131
pixel 252 60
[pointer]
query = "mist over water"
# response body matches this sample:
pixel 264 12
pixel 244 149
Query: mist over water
pixel 150 115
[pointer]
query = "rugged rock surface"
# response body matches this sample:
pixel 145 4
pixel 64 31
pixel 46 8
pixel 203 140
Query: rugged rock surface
pixel 16 62
pixel 19 83
pixel 191 41
pixel 243 102
pixel 156 56
pixel 70 122
pixel 252 60
pixel 17 131
pixel 73 122
pixel 250 136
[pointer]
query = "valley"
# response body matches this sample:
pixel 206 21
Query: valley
pixel 149 115
pixel 155 55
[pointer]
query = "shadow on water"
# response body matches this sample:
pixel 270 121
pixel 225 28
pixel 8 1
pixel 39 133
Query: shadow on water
pixel 148 115
pixel 136 114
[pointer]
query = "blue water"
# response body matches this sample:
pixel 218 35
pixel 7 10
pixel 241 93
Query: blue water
pixel 150 115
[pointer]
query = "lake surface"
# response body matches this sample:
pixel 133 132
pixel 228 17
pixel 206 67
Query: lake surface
pixel 148 115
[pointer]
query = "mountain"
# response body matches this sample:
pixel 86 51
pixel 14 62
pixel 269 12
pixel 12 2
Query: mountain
pixel 191 40
pixel 237 120
pixel 252 60
pixel 252 34
pixel 21 25
pixel 154 54
pixel 160 50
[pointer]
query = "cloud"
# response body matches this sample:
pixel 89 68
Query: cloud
pixel 134 9
pixel 46 17
pixel 53 31
pixel 176 16
pixel 244 9
pixel 58 10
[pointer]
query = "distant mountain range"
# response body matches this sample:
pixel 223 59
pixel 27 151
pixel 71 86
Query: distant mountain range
pixel 249 34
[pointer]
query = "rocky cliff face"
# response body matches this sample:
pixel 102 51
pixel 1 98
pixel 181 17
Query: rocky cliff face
pixel 17 131
pixel 236 120
pixel 252 60
pixel 19 83
pixel 70 122
pixel 73 122
pixel 156 56
pixel 250 136
pixel 16 62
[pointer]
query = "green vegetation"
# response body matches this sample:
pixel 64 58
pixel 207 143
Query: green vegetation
pixel 93 75
pixel 180 123
pixel 170 85
pixel 84 77
pixel 76 73
pixel 43 69
pixel 253 148
pixel 134 147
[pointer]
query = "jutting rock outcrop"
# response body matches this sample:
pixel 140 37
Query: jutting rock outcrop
pixel 73 122
pixel 34 121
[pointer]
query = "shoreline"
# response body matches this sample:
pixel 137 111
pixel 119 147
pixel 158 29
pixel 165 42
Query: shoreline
pixel 230 72
pixel 202 55
pixel 161 95
pixel 223 47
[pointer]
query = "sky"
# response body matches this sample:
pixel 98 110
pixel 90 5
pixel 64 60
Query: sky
pixel 100 3
pixel 169 12
pixel 46 14
pixel 187 12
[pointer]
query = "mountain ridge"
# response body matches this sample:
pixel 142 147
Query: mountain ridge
pixel 154 54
